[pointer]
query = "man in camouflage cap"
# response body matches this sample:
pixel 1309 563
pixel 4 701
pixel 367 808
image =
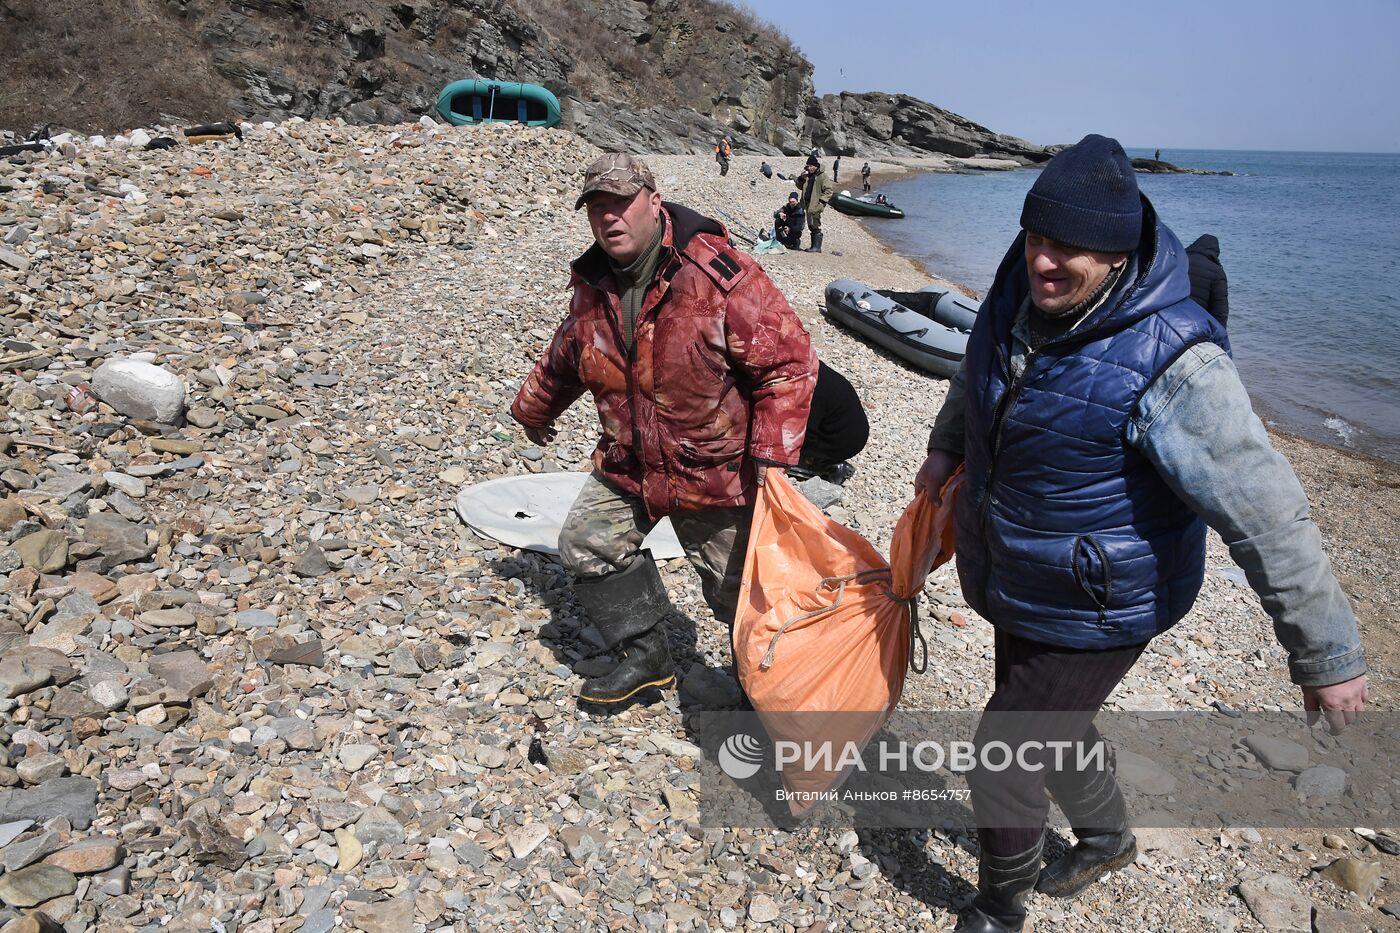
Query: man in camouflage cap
pixel 702 376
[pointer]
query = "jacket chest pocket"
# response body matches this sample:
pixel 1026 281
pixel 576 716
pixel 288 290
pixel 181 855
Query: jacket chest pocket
pixel 710 453
pixel 704 360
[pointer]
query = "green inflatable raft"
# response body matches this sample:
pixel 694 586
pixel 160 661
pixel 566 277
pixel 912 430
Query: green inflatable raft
pixel 865 206
pixel 477 100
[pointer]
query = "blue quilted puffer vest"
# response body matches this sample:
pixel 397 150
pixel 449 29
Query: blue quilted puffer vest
pixel 1066 534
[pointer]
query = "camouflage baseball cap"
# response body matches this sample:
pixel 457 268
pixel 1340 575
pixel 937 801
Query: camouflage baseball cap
pixel 616 173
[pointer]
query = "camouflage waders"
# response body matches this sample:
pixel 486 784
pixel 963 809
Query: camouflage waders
pixel 604 530
pixel 621 590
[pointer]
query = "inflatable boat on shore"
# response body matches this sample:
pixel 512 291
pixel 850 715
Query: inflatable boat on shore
pixel 463 103
pixel 866 206
pixel 928 328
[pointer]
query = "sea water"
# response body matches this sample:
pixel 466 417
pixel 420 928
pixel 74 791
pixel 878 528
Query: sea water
pixel 1310 242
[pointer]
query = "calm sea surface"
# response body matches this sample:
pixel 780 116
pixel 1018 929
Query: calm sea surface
pixel 1311 245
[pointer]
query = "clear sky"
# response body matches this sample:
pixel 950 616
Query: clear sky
pixel 1191 74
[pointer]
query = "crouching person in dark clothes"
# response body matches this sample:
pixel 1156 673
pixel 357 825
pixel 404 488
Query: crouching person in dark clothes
pixel 702 376
pixel 788 221
pixel 837 430
pixel 1103 426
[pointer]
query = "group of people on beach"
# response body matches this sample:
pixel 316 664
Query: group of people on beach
pixel 1099 421
pixel 805 205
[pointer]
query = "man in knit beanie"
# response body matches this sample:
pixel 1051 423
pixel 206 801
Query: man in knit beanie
pixel 788 221
pixel 1103 426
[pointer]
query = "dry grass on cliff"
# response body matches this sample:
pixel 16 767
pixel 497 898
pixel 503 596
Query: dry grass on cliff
pixel 679 63
pixel 88 65
pixel 603 59
pixel 110 65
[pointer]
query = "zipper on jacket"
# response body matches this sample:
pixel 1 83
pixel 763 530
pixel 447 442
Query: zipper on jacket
pixel 615 320
pixel 1012 391
pixel 998 420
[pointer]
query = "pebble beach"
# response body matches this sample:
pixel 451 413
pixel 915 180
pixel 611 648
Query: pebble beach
pixel 256 676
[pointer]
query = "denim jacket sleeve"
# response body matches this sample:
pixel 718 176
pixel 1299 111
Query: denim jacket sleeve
pixel 1196 425
pixel 947 433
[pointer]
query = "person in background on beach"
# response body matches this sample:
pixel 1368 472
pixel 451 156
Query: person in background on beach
pixel 836 171
pixel 788 221
pixel 723 151
pixel 865 176
pixel 702 376
pixel 1157 156
pixel 816 193
pixel 766 169
pixel 837 430
pixel 1103 426
pixel 1209 288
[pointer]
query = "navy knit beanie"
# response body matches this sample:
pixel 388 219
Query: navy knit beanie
pixel 1087 196
pixel 812 160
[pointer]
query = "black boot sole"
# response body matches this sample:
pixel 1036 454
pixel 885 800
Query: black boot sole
pixel 663 682
pixel 979 922
pixel 1077 882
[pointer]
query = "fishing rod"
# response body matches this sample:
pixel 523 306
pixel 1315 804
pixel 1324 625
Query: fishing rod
pixel 736 226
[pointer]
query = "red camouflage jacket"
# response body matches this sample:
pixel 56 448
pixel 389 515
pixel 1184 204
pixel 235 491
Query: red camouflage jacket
pixel 719 379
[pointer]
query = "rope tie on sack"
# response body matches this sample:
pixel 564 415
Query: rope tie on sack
pixel 916 636
pixel 839 583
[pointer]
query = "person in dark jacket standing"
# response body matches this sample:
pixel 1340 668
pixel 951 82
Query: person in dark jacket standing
pixel 836 171
pixel 865 176
pixel 1209 288
pixel 1103 426
pixel 816 193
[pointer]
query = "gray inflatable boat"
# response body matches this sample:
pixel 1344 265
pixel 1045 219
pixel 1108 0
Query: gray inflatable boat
pixel 928 328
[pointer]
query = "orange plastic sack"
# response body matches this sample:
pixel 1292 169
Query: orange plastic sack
pixel 826 628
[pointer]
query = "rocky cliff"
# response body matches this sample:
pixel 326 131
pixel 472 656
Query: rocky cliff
pixel 653 75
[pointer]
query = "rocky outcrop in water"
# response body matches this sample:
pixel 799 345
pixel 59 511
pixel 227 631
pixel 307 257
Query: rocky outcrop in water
pixel 876 124
pixel 1159 167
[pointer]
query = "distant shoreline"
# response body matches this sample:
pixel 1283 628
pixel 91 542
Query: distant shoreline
pixel 888 173
pixel 884 173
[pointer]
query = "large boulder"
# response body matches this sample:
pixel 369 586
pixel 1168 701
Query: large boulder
pixel 880 125
pixel 139 389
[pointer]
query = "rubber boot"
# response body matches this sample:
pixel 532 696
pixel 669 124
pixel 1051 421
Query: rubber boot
pixel 1003 883
pixel 646 662
pixel 816 246
pixel 627 607
pixel 1099 817
pixel 839 473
